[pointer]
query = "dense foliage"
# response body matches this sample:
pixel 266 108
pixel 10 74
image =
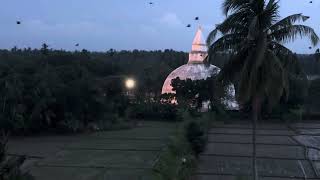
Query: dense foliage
pixel 156 108
pixel 70 91
pixel 313 98
pixel 196 137
pixel 310 63
pixel 178 160
pixel 194 94
pixel 49 89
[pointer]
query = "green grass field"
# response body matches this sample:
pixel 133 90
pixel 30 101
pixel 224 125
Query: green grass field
pixel 115 155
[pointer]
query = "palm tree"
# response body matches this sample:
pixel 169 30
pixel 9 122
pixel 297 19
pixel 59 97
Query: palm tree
pixel 254 36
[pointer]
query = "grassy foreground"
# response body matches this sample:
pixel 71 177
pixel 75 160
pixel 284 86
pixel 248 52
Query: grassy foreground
pixel 117 155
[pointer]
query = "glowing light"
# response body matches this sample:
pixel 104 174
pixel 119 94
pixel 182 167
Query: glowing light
pixel 130 83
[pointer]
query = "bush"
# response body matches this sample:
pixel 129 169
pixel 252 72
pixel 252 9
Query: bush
pixel 10 167
pixel 196 137
pixel 71 124
pixel 154 111
pixel 178 160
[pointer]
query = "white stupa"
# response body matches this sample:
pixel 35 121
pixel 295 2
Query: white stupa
pixel 197 70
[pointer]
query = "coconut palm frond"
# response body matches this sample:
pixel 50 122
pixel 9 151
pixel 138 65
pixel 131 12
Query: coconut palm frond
pixel 233 66
pixel 271 13
pixel 257 6
pixel 247 83
pixel 288 21
pixel 234 5
pixel 236 22
pixel 290 33
pixel 279 49
pixel 272 4
pixel 250 78
pixel 275 79
pixel 211 37
pixel 228 42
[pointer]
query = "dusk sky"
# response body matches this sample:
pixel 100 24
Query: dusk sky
pixel 123 24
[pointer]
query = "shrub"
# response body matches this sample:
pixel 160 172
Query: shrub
pixel 70 124
pixel 10 167
pixel 154 111
pixel 178 160
pixel 196 137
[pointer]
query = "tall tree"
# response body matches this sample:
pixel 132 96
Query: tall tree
pixel 253 33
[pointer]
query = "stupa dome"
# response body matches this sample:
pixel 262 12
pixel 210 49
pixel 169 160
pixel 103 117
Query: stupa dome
pixel 197 70
pixel 189 71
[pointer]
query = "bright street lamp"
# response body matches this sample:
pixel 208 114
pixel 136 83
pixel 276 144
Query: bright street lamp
pixel 130 83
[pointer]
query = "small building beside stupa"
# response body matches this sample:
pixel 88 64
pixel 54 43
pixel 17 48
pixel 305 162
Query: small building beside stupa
pixel 195 69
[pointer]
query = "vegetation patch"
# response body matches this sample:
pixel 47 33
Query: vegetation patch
pixel 154 110
pixel 53 90
pixel 178 160
pixel 10 167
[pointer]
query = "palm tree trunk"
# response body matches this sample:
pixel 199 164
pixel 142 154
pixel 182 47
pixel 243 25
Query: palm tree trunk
pixel 256 107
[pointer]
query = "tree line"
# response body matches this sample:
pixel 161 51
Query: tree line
pixel 44 89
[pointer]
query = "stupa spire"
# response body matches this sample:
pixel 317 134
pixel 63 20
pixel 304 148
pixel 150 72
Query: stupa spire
pixel 199 49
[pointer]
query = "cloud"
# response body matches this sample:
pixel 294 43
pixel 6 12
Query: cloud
pixel 171 20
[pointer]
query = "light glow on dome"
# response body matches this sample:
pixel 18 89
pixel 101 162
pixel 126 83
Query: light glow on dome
pixel 189 71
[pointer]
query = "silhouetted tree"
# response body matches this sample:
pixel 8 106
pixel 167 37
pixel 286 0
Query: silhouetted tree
pixel 254 34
